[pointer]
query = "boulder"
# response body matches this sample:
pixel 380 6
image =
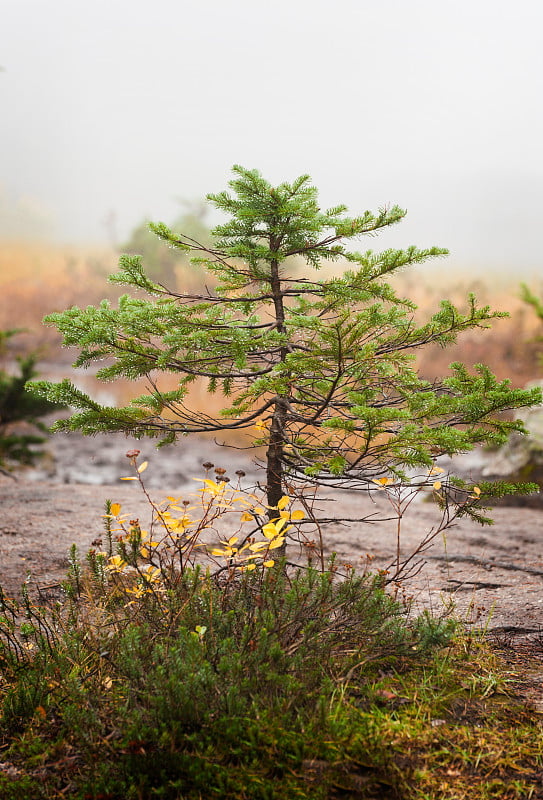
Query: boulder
pixel 520 460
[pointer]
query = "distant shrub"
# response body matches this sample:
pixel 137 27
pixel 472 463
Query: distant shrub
pixel 537 304
pixel 20 427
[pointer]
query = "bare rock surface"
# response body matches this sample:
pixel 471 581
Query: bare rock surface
pixel 491 576
pixel 519 460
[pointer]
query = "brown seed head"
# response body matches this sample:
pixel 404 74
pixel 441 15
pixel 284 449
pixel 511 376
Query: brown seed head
pixel 207 465
pixel 132 453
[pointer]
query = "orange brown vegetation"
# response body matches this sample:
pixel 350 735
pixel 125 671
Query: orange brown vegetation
pixel 510 347
pixel 36 279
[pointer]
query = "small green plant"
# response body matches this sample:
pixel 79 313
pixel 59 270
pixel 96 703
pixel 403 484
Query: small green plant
pixel 21 430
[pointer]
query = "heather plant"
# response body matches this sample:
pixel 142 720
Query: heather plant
pixel 318 371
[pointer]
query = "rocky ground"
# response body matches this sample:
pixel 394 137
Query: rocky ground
pixel 491 576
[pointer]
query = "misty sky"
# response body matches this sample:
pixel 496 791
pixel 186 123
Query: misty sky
pixel 124 106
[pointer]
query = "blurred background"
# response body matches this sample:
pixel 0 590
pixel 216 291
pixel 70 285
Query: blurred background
pixel 117 112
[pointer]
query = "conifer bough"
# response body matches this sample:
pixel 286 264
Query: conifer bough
pixel 320 370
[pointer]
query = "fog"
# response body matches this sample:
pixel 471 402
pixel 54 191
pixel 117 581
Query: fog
pixel 114 110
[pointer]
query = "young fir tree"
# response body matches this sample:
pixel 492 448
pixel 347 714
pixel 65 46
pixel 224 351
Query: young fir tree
pixel 321 367
pixel 20 410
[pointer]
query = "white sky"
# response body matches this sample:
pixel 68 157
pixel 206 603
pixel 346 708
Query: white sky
pixel 126 105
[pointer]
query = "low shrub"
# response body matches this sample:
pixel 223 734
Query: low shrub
pixel 171 667
pixel 211 698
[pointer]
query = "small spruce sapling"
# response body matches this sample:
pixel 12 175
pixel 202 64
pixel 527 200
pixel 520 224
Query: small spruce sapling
pixel 21 430
pixel 319 368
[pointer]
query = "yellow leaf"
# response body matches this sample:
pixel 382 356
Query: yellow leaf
pixel 246 517
pixel 382 482
pixel 269 563
pixel 298 514
pixel 233 540
pixel 143 466
pixel 115 509
pixel 178 524
pixel 283 502
pixel 256 546
pixel 259 510
pixel 250 567
pixel 116 564
pixel 276 543
pixel 211 486
pixel 269 530
pixel 152 574
pixel 476 490
pixel 437 485
pixel 129 479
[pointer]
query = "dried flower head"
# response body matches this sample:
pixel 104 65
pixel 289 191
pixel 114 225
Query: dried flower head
pixel 207 465
pixel 132 453
pixel 219 471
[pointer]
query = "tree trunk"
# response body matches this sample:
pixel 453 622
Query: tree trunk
pixel 274 460
pixel 274 453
